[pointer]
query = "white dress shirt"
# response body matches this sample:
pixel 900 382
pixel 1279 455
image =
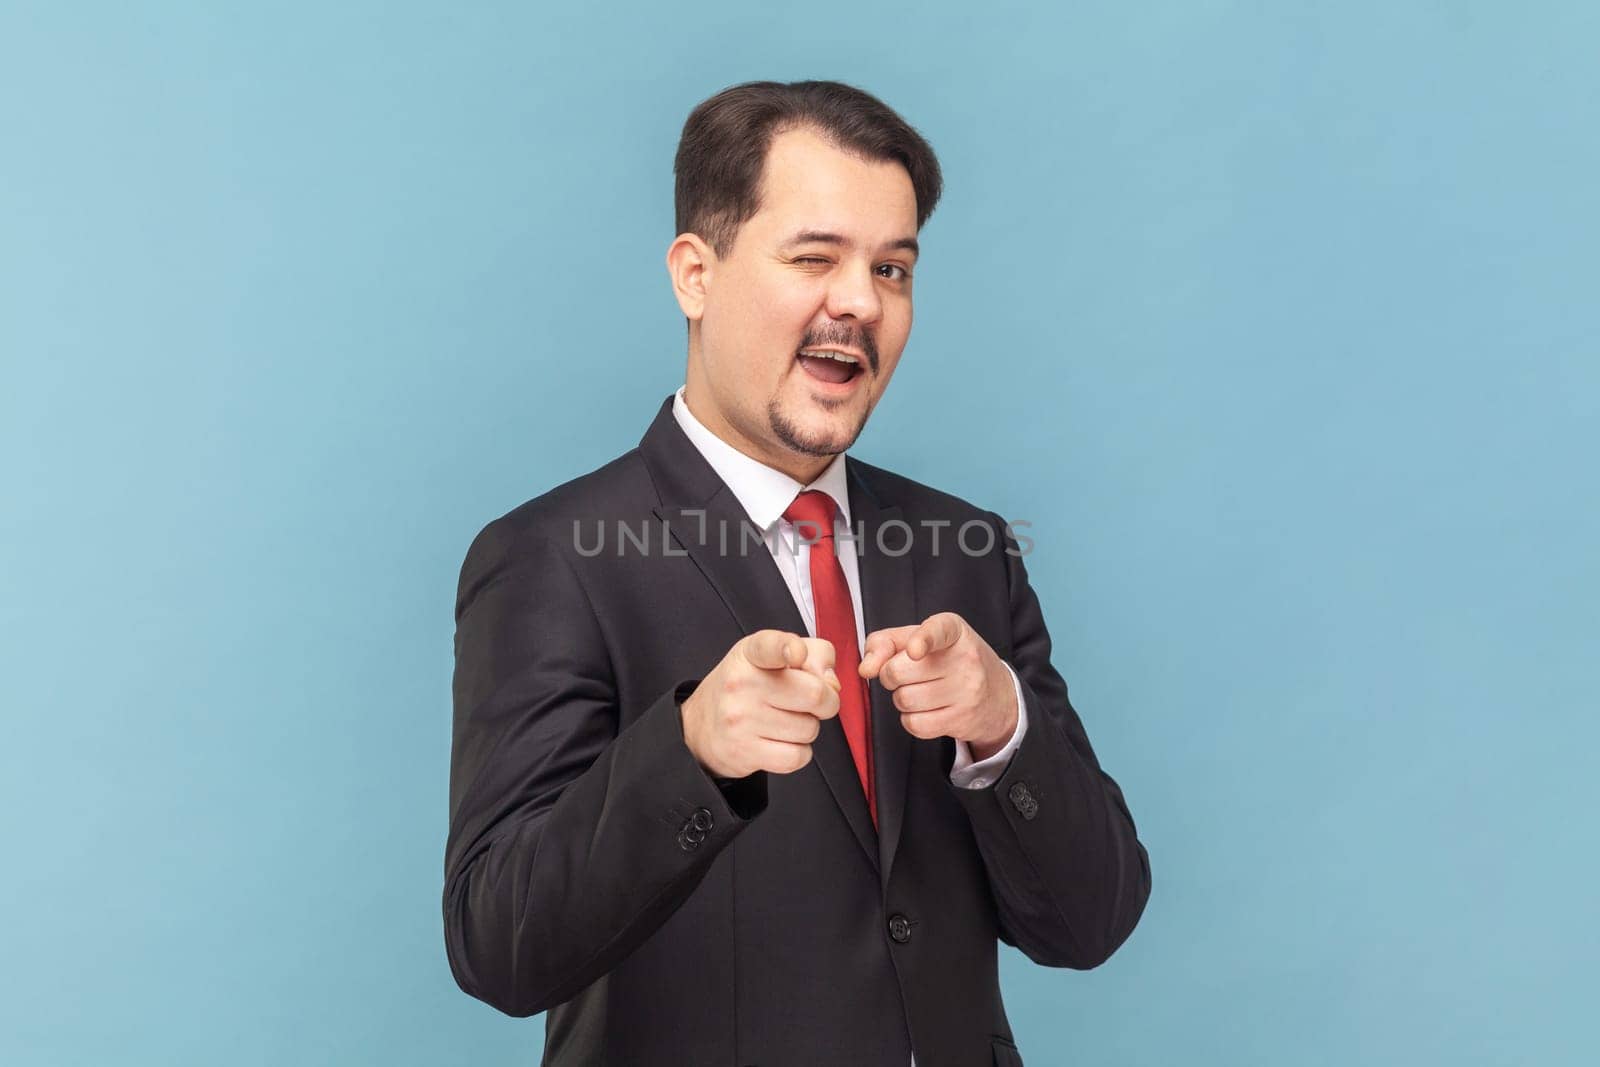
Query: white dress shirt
pixel 766 494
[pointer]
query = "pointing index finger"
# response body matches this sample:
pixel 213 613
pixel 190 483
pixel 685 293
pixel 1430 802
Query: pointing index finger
pixel 774 650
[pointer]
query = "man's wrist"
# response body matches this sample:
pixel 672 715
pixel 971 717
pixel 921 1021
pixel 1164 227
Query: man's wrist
pixel 984 748
pixel 971 773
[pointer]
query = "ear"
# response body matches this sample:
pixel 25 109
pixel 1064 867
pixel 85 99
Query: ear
pixel 689 263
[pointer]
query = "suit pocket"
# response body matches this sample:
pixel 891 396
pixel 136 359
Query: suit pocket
pixel 1006 1054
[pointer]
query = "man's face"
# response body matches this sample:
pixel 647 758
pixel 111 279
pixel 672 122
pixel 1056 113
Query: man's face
pixel 824 265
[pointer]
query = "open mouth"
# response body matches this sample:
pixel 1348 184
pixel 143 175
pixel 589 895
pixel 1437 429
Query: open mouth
pixel 834 368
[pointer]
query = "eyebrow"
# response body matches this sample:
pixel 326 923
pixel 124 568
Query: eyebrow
pixel 821 237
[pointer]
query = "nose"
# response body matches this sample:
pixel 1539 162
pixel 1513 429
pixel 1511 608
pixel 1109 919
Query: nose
pixel 854 292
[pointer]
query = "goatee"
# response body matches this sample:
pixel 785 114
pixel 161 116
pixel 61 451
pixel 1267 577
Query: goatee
pixel 793 438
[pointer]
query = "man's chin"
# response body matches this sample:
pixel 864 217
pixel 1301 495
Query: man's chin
pixel 817 446
pixel 816 437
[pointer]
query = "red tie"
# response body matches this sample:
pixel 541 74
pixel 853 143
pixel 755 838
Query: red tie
pixel 836 623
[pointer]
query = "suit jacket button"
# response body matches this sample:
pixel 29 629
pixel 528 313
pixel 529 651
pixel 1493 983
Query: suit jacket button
pixel 1023 801
pixel 899 928
pixel 687 842
pixel 702 820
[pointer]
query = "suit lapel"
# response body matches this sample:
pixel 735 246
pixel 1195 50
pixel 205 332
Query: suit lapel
pixel 707 521
pixel 888 598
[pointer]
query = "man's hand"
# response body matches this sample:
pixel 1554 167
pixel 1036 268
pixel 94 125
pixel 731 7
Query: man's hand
pixel 946 680
pixel 762 706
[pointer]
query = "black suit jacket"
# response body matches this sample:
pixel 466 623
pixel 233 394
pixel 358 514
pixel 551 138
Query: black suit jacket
pixel 595 871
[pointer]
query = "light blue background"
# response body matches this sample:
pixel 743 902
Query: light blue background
pixel 1278 321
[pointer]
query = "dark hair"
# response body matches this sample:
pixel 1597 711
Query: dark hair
pixel 725 141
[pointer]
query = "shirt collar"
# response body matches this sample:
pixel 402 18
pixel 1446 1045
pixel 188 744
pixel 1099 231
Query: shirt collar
pixel 765 492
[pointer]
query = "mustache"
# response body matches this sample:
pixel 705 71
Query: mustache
pixel 845 338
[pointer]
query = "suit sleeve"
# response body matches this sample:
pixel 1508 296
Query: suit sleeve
pixel 1069 876
pixel 570 841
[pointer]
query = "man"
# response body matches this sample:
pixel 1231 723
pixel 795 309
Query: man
pixel 729 800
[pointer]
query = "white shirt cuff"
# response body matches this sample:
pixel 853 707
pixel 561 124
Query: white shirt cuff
pixel 969 775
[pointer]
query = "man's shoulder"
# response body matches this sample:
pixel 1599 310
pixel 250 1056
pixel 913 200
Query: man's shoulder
pixel 916 500
pixel 620 490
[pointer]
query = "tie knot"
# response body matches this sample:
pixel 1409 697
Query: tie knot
pixel 816 509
